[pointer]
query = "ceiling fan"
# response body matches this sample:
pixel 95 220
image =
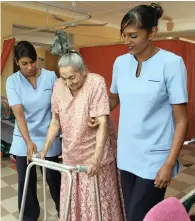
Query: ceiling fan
pixel 73 25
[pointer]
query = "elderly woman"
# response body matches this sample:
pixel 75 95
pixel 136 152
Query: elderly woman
pixel 78 95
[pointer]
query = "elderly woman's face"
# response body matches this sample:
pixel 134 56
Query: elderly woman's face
pixel 72 78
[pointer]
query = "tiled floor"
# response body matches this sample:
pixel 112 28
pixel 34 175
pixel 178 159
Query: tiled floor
pixel 179 187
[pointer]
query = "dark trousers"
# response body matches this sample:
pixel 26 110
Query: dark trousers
pixel 53 178
pixel 139 195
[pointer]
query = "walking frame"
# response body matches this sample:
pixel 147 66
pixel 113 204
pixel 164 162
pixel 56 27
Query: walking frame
pixel 187 196
pixel 62 168
pixel 67 169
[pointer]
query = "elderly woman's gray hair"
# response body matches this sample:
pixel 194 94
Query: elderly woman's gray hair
pixel 72 59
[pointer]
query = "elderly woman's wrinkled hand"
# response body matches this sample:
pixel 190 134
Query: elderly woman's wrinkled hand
pixel 93 167
pixel 93 123
pixel 42 154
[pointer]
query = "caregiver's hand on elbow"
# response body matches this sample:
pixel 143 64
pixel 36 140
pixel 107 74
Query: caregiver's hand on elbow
pixel 93 123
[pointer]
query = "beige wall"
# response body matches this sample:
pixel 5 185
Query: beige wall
pixel 41 53
pixel 51 62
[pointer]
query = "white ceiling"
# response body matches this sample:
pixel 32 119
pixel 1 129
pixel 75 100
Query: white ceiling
pixel 111 12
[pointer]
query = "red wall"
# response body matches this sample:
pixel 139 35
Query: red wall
pixel 100 60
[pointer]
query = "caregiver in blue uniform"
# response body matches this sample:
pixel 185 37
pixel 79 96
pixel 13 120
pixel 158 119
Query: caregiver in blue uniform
pixel 29 95
pixel 150 84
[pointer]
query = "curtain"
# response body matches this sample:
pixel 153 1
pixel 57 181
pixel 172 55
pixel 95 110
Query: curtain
pixel 7 48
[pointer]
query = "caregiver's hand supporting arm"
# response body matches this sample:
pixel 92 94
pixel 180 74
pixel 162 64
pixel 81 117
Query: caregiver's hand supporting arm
pixel 51 134
pixel 164 175
pixel 101 136
pixel 113 101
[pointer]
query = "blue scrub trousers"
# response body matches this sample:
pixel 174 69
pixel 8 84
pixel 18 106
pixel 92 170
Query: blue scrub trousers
pixel 140 195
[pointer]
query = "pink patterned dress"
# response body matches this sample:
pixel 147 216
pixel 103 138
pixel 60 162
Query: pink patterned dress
pixel 79 146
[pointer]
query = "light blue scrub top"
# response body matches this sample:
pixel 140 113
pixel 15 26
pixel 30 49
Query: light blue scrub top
pixel 146 123
pixel 37 109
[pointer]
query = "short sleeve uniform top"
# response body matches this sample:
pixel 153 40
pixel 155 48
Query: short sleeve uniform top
pixel 37 110
pixel 146 125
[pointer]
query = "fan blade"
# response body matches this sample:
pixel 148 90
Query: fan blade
pixel 58 18
pixel 92 25
pixel 62 28
pixel 83 25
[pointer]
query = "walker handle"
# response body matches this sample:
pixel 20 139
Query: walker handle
pixel 80 168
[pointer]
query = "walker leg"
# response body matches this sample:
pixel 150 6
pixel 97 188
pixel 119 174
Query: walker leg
pixel 68 201
pixel 98 199
pixel 24 192
pixel 44 193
